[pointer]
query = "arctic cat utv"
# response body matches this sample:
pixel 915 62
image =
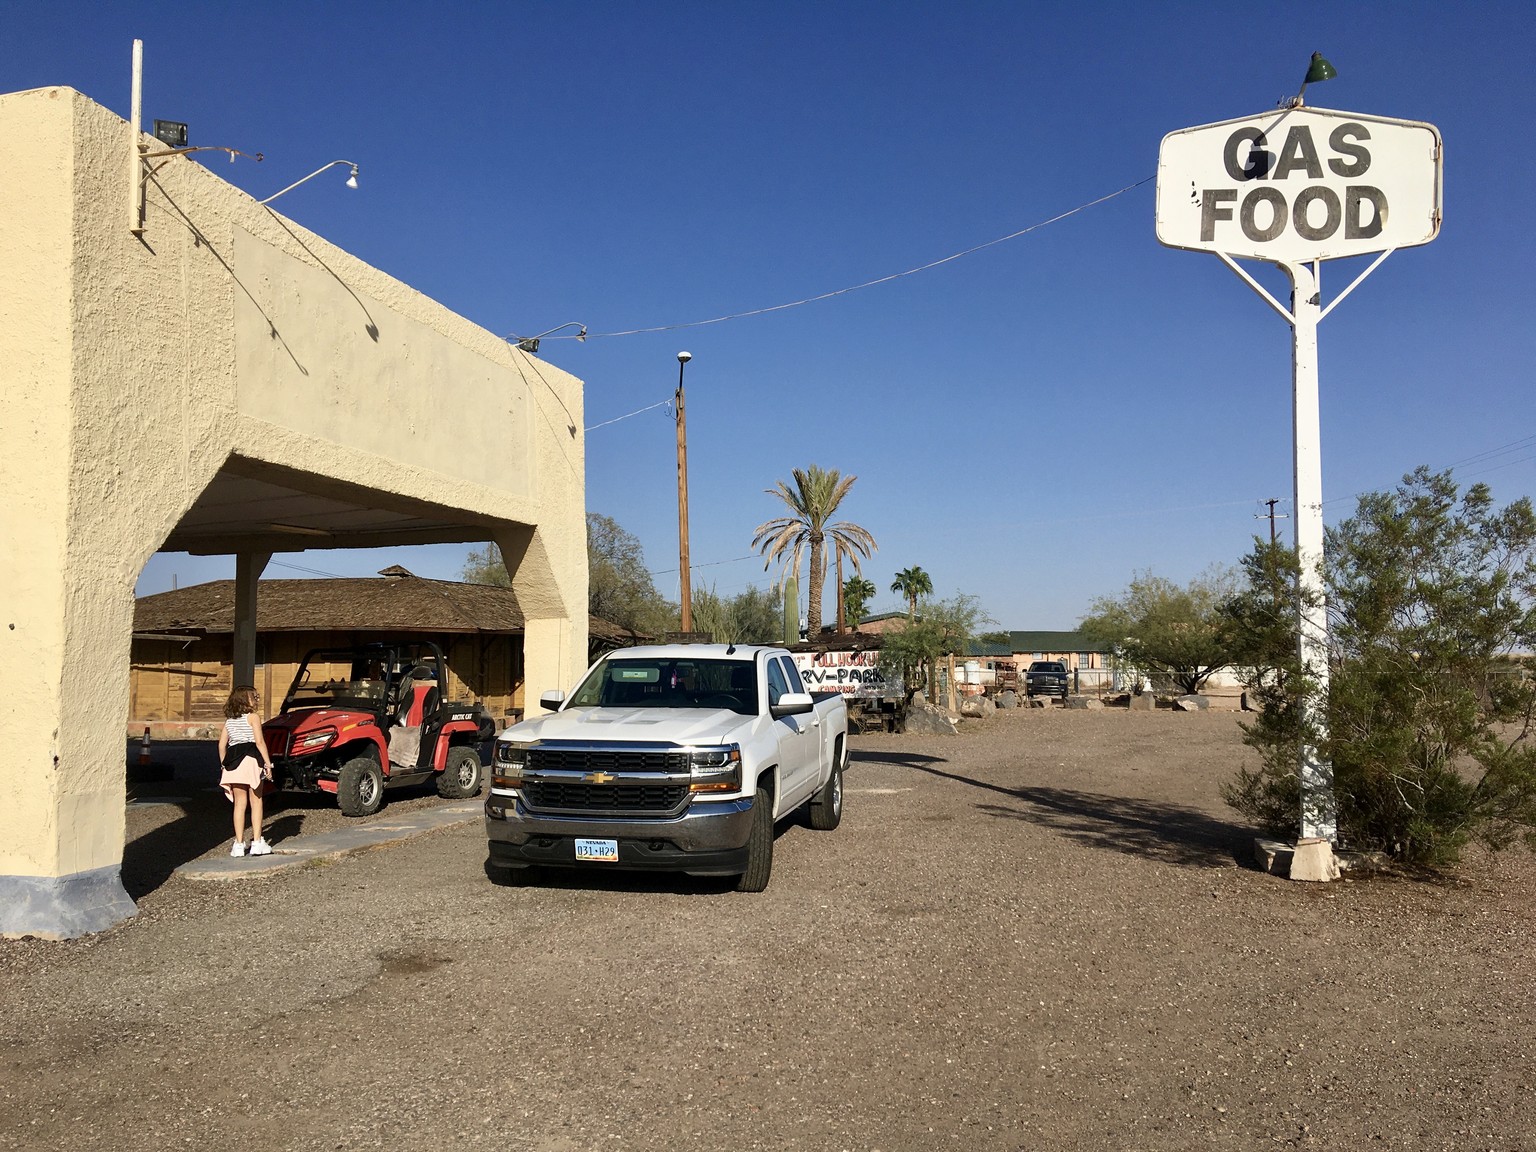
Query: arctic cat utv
pixel 359 720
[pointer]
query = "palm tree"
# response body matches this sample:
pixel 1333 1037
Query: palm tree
pixel 856 596
pixel 912 583
pixel 812 501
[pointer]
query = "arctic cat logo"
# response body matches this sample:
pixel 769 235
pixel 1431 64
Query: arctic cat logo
pixel 461 716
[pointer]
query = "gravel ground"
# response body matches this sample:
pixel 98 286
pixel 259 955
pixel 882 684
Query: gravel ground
pixel 1033 935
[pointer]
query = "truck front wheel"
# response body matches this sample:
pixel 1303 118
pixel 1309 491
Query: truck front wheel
pixel 360 787
pixel 759 845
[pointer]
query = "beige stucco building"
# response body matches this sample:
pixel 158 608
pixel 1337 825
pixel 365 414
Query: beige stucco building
pixel 222 382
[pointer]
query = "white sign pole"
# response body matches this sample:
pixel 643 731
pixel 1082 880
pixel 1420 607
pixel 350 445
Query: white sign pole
pixel 1319 812
pixel 1296 187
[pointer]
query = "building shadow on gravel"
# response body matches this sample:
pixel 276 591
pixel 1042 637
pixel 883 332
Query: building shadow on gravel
pixel 1169 833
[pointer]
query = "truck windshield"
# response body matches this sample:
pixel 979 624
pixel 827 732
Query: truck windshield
pixel 630 683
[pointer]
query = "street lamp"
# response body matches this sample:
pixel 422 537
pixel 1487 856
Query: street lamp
pixel 685 594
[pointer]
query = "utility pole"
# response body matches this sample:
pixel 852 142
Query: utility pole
pixel 685 594
pixel 1273 516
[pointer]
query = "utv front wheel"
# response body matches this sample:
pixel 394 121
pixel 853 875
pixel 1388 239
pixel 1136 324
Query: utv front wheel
pixel 460 778
pixel 360 787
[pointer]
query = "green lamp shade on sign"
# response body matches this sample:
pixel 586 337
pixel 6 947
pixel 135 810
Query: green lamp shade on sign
pixel 1319 69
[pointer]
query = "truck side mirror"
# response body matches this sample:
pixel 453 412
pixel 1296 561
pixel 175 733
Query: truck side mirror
pixel 551 701
pixel 792 704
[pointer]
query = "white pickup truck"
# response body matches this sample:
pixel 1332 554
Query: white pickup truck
pixel 678 757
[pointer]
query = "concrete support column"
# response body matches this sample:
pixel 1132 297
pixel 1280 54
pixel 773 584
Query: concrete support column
pixel 69 618
pixel 554 612
pixel 549 661
pixel 248 569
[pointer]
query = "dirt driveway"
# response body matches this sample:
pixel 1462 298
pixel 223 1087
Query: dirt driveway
pixel 1031 936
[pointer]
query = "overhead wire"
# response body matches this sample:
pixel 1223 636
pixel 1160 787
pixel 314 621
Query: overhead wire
pixel 868 283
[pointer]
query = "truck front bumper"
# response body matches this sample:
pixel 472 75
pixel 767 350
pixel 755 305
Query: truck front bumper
pixel 709 839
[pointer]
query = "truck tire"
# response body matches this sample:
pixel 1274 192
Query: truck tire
pixel 827 804
pixel 461 775
pixel 759 845
pixel 360 787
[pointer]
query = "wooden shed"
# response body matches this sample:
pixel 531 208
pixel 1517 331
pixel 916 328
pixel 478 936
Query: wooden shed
pixel 183 641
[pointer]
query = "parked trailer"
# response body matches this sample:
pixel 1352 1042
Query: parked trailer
pixel 874 699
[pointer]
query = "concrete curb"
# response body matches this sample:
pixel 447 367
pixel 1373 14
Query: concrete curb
pixel 301 850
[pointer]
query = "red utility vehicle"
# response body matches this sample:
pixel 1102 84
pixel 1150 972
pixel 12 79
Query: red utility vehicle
pixel 384 725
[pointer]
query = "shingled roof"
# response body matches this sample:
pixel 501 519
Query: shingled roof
pixel 395 601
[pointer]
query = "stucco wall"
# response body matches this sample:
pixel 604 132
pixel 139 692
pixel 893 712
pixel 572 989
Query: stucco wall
pixel 134 369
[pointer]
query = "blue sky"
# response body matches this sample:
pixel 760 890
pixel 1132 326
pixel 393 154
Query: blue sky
pixel 1031 423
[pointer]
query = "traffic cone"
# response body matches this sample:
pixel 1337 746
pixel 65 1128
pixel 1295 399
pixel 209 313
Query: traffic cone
pixel 144 749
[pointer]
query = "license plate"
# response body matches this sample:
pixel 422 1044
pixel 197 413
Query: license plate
pixel 606 851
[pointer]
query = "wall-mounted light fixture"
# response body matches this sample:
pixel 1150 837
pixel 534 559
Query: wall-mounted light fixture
pixel 530 344
pixel 167 131
pixel 351 180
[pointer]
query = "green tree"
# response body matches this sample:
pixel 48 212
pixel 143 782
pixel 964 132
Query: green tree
pixel 812 502
pixel 1176 634
pixel 751 617
pixel 912 583
pixel 943 631
pixel 1431 598
pixel 619 585
pixel 857 592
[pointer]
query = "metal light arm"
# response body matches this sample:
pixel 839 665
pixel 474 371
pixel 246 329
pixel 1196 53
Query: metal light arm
pixel 351 180
pixel 530 344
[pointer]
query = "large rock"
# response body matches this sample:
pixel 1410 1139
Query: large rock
pixel 1192 703
pixel 1083 702
pixel 976 707
pixel 1007 699
pixel 1146 702
pixel 924 718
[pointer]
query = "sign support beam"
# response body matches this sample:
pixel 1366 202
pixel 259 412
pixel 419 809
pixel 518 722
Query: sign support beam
pixel 1319 810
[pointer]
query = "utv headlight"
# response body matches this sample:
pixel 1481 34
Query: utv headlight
pixel 714 770
pixel 313 741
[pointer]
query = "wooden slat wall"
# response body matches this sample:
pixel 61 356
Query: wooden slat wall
pixel 175 682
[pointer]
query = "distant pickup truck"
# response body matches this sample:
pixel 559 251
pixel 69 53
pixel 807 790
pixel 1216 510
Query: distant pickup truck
pixel 1047 678
pixel 677 757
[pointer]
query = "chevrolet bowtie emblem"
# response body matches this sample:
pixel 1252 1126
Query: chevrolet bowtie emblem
pixel 599 778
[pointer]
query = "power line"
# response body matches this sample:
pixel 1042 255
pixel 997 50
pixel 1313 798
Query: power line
pixel 627 415
pixel 867 283
pixel 311 571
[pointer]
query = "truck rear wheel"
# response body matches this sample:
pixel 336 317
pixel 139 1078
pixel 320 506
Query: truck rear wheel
pixel 360 787
pixel 460 777
pixel 827 805
pixel 759 845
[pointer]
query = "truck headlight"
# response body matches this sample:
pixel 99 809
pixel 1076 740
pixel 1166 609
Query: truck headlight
pixel 714 770
pixel 508 762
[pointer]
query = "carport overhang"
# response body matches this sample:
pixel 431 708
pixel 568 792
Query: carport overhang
pixel 226 382
pixel 255 506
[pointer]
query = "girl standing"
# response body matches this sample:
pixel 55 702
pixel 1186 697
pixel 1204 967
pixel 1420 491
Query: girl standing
pixel 243 753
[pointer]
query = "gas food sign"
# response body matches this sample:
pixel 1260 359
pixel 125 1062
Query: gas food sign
pixel 1299 184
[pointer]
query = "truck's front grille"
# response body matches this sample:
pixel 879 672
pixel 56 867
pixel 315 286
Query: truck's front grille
pixel 575 791
pixel 575 796
pixel 605 760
